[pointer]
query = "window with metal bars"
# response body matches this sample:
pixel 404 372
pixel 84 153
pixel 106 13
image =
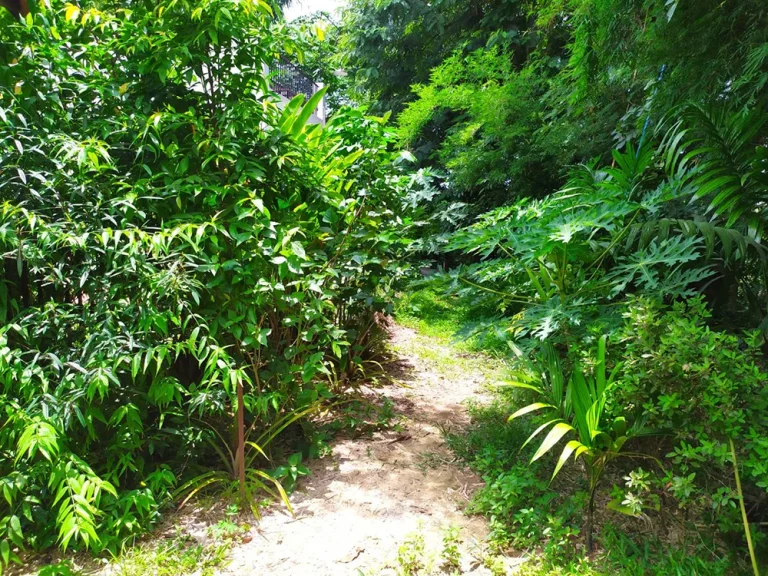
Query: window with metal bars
pixel 288 80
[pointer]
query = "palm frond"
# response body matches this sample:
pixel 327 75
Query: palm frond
pixel 720 152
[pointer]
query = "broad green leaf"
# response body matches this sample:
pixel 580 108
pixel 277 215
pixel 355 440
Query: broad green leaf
pixel 553 437
pixel 538 431
pixel 518 384
pixel 288 117
pixel 307 111
pixel 566 453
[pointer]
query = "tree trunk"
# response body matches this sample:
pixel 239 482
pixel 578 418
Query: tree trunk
pixel 240 457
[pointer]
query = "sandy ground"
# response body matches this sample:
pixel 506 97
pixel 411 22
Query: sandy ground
pixel 362 501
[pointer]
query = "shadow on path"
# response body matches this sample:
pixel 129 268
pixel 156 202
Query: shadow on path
pixel 362 501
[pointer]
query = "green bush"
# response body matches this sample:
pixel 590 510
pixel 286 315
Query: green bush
pixel 517 499
pixel 170 238
pixel 700 388
pixel 527 512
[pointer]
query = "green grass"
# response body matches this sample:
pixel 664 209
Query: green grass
pixel 181 554
pixel 172 559
pixel 451 320
pixel 448 362
pixel 445 338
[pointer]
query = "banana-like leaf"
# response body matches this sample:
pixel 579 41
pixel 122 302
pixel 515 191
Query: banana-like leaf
pixel 554 373
pixel 618 444
pixel 599 435
pixel 581 399
pixel 288 116
pixel 518 384
pixel 523 376
pixel 612 376
pixel 228 459
pixel 600 368
pixel 558 431
pixel 537 431
pixel 252 502
pixel 516 351
pixel 580 450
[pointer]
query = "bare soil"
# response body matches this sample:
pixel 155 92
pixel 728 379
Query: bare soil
pixel 363 500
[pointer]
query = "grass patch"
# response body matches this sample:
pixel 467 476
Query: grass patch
pixel 446 361
pixel 182 554
pixel 185 553
pixel 452 320
pixel 448 338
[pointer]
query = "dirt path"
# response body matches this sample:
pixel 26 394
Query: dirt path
pixel 363 500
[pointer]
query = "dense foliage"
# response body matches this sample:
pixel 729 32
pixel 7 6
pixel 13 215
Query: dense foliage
pixel 504 96
pixel 625 252
pixel 190 267
pixel 598 175
pixel 171 240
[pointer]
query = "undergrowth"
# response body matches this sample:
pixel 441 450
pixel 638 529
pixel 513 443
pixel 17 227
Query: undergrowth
pixel 179 556
pixel 168 555
pixel 529 516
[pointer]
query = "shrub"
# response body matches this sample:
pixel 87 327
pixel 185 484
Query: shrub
pixel 576 406
pixel 702 388
pixel 522 508
pixel 175 248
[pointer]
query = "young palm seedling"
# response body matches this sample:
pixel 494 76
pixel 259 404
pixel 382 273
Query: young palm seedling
pixel 578 409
